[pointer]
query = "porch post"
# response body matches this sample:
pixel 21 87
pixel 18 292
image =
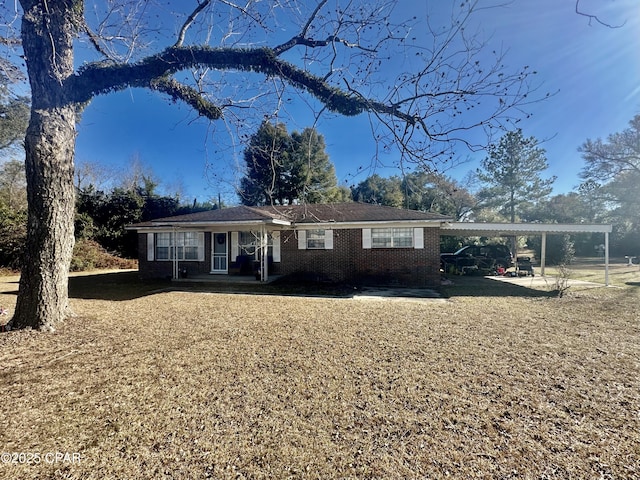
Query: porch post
pixel 606 258
pixel 264 258
pixel 174 241
pixel 543 253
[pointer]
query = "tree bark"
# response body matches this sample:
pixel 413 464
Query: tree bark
pixel 47 34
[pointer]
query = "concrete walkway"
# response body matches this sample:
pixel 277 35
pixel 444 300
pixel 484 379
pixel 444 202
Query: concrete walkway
pixel 398 294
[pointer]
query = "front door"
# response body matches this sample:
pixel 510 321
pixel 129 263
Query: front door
pixel 219 262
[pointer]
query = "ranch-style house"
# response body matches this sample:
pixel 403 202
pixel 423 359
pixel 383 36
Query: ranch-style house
pixel 344 242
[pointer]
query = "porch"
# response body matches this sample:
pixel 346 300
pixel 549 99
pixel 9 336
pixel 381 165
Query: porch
pixel 226 279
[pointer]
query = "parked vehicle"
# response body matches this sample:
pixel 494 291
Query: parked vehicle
pixel 487 258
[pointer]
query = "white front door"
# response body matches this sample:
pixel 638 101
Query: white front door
pixel 219 263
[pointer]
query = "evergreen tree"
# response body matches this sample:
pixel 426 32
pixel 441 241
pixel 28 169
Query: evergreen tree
pixel 282 169
pixel 434 192
pixel 511 176
pixel 315 175
pixel 14 109
pixel 611 177
pixel 379 191
pixel 266 162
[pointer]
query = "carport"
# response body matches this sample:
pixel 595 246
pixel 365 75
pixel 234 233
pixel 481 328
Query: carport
pixel 472 229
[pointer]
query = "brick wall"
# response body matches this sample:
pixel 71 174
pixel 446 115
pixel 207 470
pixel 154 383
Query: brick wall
pixel 164 268
pixel 349 262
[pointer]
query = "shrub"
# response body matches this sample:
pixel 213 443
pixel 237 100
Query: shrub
pixel 13 234
pixel 89 255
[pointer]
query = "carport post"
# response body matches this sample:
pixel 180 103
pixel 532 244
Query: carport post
pixel 543 252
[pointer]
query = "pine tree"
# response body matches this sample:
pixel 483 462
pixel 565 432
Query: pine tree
pixel 511 175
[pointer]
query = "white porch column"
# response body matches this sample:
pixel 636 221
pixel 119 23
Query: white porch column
pixel 174 242
pixel 606 258
pixel 264 248
pixel 543 253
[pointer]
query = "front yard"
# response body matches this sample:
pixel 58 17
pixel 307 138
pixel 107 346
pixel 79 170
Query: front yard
pixel 146 383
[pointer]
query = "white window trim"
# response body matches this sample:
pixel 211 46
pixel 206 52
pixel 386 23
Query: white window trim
pixel 151 249
pixel 273 244
pixel 302 240
pixel 418 238
pixel 152 244
pixel 275 236
pixel 366 238
pixel 235 248
pixel 328 240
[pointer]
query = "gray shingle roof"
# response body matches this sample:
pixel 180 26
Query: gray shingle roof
pixel 350 212
pixel 224 215
pixel 301 214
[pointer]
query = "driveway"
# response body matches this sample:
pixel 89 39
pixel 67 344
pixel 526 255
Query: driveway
pixel 544 282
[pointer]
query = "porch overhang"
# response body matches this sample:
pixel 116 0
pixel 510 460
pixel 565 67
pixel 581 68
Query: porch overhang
pixel 208 225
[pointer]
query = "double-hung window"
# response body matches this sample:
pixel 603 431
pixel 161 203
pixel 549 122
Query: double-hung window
pixel 392 237
pixel 178 246
pixel 163 246
pixel 187 245
pixel 315 239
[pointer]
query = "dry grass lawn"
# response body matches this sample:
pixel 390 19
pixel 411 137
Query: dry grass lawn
pixel 151 384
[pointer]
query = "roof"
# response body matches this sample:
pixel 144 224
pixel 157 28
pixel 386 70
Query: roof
pixel 343 213
pixel 507 229
pixel 352 212
pixel 223 215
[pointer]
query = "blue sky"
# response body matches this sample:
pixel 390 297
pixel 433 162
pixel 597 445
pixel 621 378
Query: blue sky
pixel 594 70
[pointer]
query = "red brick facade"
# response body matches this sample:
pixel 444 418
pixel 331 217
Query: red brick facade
pixel 348 261
pixel 164 268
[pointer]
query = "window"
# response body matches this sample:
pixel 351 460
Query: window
pixel 315 239
pixel 187 245
pixel 249 243
pixel 163 246
pixel 179 246
pixel 392 237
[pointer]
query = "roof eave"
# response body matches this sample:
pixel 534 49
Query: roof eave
pixel 206 223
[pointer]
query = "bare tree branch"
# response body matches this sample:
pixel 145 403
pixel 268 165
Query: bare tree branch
pixel 596 18
pixel 10 41
pixel 190 19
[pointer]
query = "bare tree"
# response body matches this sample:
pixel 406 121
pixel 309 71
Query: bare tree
pixel 229 61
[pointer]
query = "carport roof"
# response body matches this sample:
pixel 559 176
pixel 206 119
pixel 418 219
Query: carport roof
pixel 508 229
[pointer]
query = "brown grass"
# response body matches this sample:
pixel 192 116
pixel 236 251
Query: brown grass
pixel 215 385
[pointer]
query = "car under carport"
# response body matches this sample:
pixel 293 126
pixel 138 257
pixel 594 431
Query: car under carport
pixel 469 229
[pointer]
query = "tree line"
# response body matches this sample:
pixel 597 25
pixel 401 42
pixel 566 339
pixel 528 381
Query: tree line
pixel 510 185
pixel 100 218
pixel 283 168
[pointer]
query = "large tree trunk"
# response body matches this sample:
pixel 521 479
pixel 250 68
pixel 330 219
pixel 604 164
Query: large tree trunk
pixel 43 297
pixel 47 35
